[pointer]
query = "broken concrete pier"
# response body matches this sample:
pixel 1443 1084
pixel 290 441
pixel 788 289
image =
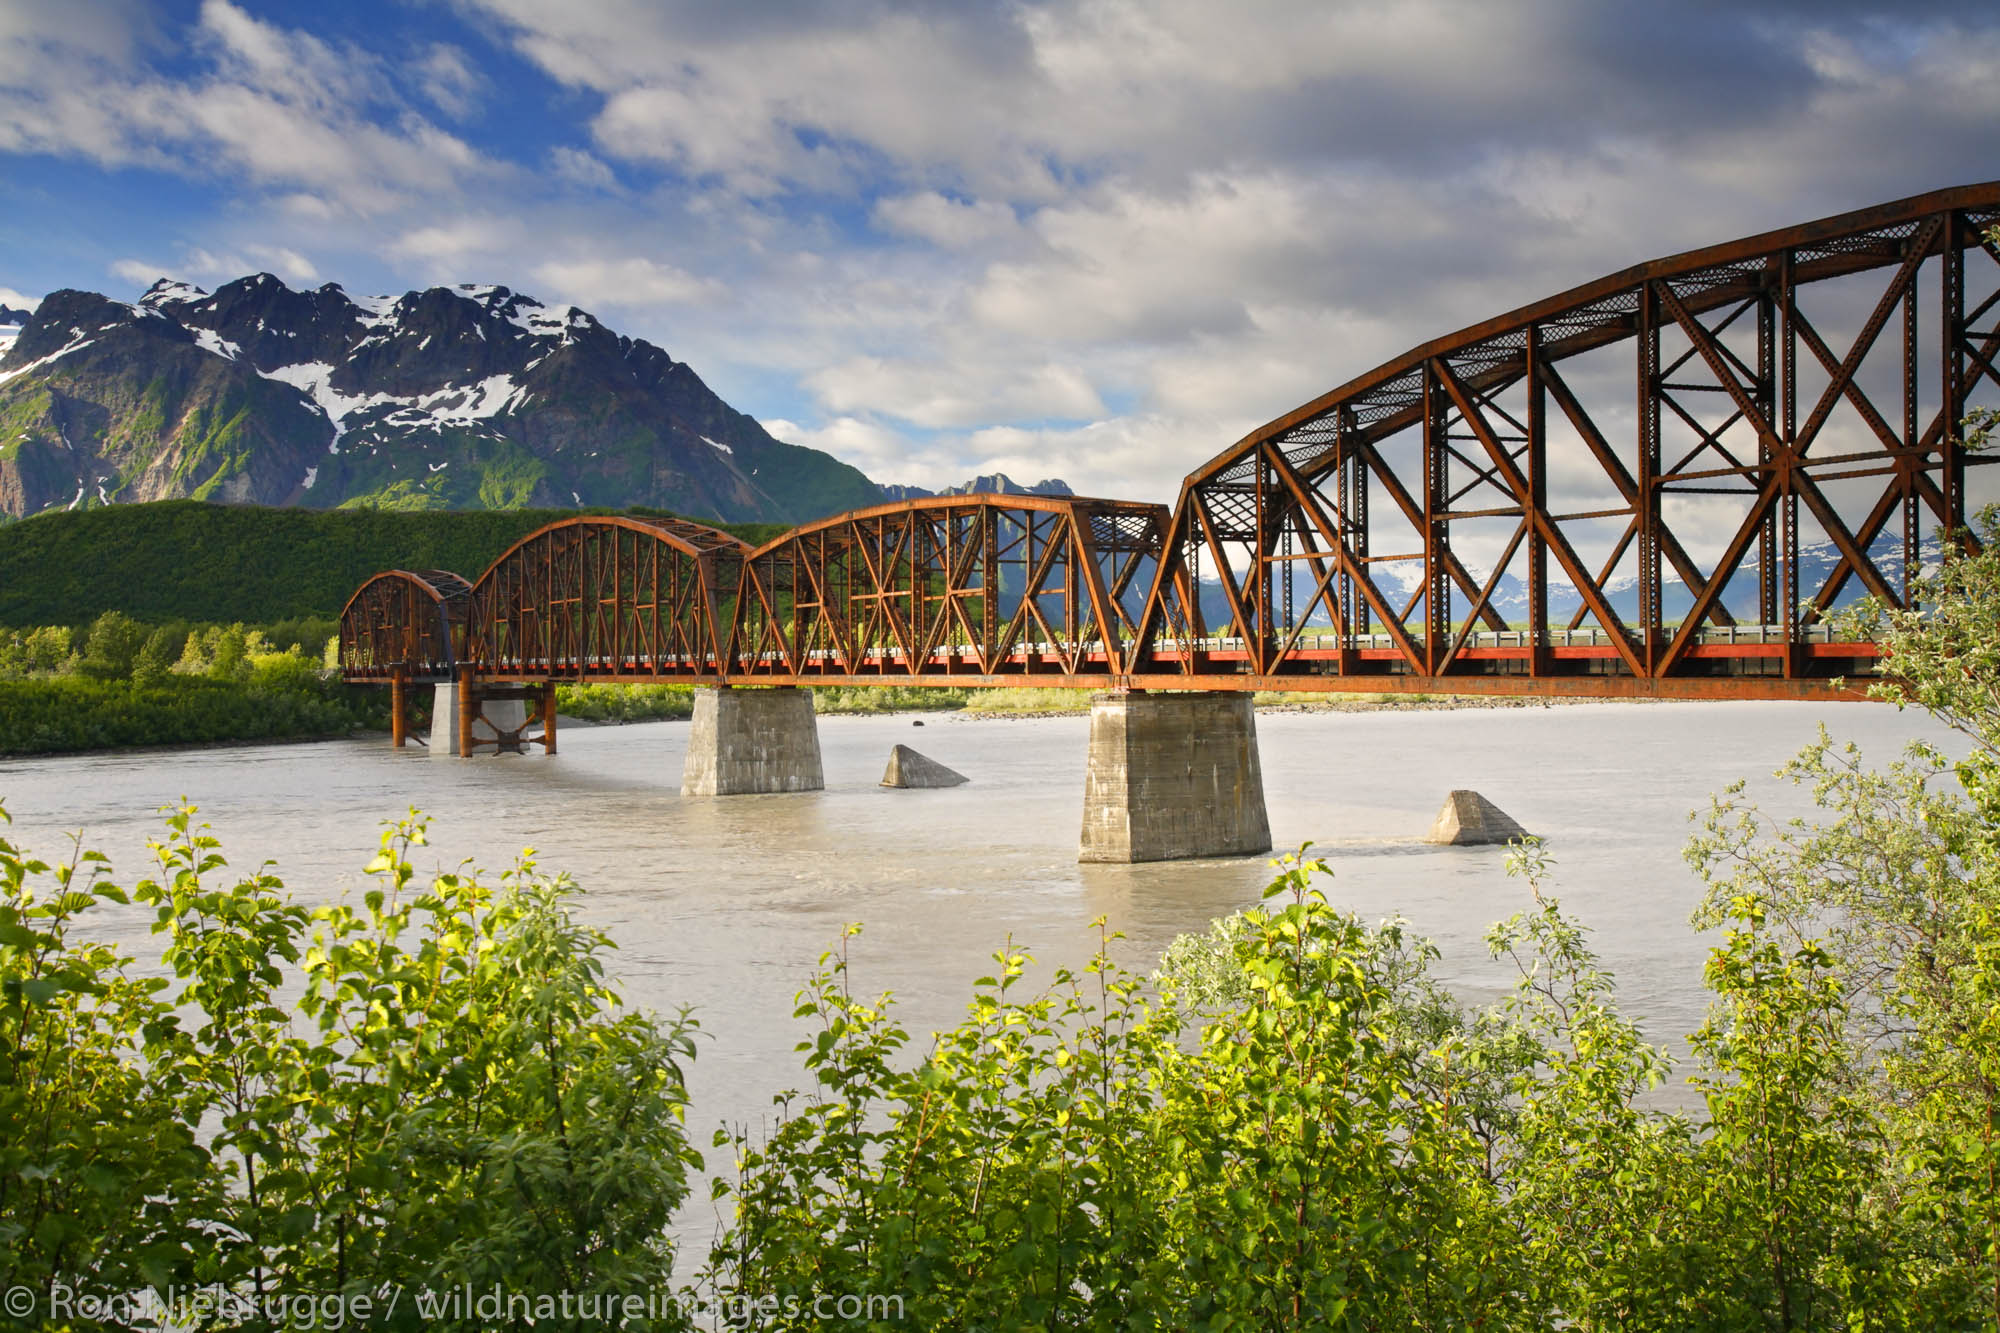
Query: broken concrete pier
pixel 1470 820
pixel 1172 777
pixel 907 768
pixel 751 741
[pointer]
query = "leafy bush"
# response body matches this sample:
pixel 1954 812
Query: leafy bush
pixel 47 649
pixel 456 1097
pixel 1084 1157
pixel 68 713
pixel 886 698
pixel 156 657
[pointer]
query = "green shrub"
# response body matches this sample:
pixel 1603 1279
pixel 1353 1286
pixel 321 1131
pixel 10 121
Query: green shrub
pixel 456 1098
pixel 156 657
pixel 886 698
pixel 1083 1157
pixel 111 646
pixel 35 651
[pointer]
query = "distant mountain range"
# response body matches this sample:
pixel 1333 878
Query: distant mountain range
pixel 451 398
pixel 1510 595
pixel 994 483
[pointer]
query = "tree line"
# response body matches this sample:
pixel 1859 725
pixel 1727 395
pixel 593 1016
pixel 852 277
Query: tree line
pixel 118 682
pixel 183 559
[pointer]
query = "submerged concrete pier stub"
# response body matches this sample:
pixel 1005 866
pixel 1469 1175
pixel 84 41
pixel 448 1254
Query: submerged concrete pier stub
pixel 907 768
pixel 1171 777
pixel 1468 819
pixel 745 742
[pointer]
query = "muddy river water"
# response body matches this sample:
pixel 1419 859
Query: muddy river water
pixel 723 905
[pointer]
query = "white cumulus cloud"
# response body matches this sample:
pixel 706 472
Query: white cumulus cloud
pixel 632 281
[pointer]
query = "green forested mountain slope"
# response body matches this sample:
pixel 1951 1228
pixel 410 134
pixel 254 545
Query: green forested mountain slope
pixel 182 559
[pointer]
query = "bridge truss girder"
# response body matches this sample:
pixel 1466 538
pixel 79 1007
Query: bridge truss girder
pixel 607 597
pixel 1414 529
pixel 1298 523
pixel 404 623
pixel 950 587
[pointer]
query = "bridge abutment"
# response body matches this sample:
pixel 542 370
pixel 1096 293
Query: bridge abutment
pixel 751 741
pixel 1171 777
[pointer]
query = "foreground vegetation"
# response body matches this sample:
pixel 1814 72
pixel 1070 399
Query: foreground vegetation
pixel 1293 1123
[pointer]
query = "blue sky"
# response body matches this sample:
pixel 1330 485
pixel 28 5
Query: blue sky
pixel 1096 239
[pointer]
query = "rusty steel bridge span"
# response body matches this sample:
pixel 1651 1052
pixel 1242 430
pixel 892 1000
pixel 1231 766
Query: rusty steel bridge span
pixel 1658 484
pixel 1655 484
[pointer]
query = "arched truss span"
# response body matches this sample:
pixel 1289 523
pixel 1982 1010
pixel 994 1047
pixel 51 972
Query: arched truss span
pixel 1657 483
pixel 611 597
pixel 404 621
pixel 1675 471
pixel 951 587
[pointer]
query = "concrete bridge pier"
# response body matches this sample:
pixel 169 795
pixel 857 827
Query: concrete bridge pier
pixel 1172 777
pixel 467 716
pixel 750 741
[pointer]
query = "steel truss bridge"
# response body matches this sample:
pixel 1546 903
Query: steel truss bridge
pixel 1659 483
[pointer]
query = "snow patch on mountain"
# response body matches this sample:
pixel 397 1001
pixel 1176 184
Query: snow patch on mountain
pixel 376 308
pixel 211 341
pixel 488 398
pixel 169 292
pixel 453 405
pixel 311 378
pixel 538 320
pixel 79 340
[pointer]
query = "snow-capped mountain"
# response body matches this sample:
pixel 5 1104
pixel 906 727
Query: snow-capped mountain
pixel 454 397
